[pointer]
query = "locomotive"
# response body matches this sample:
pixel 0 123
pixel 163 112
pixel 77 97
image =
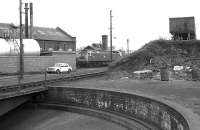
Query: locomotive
pixel 96 58
pixel 97 55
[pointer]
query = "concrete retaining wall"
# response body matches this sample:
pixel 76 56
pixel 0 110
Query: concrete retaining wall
pixel 10 64
pixel 147 110
pixel 111 117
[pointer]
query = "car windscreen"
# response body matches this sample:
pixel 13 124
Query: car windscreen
pixel 58 65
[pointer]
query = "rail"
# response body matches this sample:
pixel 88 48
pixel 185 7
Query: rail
pixel 45 82
pixel 74 77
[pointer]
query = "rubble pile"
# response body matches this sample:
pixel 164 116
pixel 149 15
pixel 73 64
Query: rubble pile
pixel 159 54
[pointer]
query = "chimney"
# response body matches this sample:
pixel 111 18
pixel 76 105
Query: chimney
pixel 26 20
pixel 105 42
pixel 31 20
pixel 128 46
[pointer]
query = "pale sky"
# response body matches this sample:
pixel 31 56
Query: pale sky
pixel 140 21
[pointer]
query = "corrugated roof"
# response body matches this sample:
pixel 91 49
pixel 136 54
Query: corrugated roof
pixel 42 33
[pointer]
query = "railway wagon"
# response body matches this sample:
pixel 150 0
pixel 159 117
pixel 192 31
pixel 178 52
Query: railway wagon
pixel 96 58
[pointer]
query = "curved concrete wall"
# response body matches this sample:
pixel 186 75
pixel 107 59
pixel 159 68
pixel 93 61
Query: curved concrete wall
pixel 129 124
pixel 145 109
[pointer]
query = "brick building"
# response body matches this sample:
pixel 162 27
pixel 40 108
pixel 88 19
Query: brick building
pixel 49 39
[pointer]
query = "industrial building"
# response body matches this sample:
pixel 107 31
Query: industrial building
pixel 54 39
pixel 182 28
pixel 44 48
pixel 49 39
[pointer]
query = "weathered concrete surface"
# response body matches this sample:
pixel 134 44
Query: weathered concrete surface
pixel 49 119
pixel 146 111
pixel 110 117
pixel 182 95
pixel 11 103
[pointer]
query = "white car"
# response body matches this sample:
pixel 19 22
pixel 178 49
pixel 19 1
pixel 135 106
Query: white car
pixel 59 68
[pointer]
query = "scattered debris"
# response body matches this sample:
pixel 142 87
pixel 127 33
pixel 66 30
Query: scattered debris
pixel 143 74
pixel 124 78
pixel 178 68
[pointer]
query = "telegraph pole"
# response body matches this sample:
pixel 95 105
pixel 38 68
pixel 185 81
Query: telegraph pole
pixel 111 35
pixel 21 65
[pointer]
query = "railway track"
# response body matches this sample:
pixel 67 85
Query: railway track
pixel 75 77
pixel 31 87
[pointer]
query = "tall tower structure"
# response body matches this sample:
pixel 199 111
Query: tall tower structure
pixel 105 42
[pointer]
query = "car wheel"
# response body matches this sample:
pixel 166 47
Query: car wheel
pixel 58 71
pixel 69 70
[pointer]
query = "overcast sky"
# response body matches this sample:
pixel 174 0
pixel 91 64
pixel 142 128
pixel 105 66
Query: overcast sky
pixel 140 21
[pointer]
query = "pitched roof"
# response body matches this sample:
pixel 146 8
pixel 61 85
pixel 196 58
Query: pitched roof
pixel 55 34
pixel 6 28
pixel 41 33
pixel 92 48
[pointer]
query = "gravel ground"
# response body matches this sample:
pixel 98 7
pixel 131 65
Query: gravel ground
pixel 46 119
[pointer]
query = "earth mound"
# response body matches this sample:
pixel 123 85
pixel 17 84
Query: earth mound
pixel 159 54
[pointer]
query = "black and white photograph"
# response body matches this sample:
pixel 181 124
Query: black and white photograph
pixel 100 65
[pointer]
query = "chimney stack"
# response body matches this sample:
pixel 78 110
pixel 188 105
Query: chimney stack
pixel 26 20
pixel 105 42
pixel 31 20
pixel 128 46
